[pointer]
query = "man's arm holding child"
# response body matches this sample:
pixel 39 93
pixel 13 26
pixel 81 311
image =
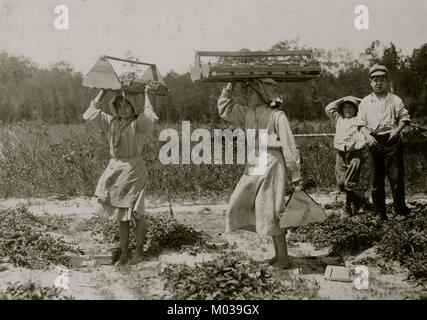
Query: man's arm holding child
pixel 362 124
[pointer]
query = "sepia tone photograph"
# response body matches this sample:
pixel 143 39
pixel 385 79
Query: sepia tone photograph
pixel 219 150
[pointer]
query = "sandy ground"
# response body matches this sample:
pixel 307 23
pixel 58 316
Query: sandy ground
pixel 142 282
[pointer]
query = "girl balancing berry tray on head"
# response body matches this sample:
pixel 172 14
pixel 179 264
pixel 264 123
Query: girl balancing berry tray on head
pixel 282 66
pixel 117 74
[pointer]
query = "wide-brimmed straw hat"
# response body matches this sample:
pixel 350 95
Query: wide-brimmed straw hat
pixel 349 99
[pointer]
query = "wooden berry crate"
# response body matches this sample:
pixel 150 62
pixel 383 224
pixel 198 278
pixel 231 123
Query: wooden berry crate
pixel 282 66
pixel 103 76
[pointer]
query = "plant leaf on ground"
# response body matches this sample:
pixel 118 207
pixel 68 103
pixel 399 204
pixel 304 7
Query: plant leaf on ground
pixel 405 242
pixel 32 291
pixel 230 278
pixel 341 235
pixel 162 232
pixel 26 241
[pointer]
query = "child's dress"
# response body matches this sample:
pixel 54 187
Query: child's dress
pixel 258 200
pixel 120 190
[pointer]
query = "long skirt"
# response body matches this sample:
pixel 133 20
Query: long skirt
pixel 257 200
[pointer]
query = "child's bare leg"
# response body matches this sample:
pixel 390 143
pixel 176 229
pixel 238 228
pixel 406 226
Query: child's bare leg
pixel 141 231
pixel 276 253
pixel 284 261
pixel 124 227
pixel 124 236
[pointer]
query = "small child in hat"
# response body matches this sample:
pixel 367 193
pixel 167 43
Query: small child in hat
pixel 348 143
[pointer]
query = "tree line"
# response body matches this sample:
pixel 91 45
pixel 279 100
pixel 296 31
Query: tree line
pixel 56 95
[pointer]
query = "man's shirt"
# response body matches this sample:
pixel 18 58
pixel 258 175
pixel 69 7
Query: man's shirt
pixel 381 115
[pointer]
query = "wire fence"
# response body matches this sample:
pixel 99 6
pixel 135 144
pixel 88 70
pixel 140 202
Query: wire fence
pixel 414 127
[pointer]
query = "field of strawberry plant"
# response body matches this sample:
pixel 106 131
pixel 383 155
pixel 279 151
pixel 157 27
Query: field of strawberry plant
pixel 30 241
pixel 162 232
pixel 40 160
pixel 32 291
pixel 192 268
pixel 405 241
pixel 233 277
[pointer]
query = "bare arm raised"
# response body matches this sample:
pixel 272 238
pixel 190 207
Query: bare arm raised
pixel 230 111
pixel 95 115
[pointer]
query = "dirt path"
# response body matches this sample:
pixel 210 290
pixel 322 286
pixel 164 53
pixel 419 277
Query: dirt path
pixel 130 282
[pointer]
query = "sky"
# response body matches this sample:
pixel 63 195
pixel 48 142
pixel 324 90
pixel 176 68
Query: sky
pixel 167 32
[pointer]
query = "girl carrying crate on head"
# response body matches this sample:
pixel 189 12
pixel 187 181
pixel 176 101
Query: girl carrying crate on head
pixel 258 199
pixel 120 190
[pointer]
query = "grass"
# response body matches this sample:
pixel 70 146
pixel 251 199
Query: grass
pixel 43 160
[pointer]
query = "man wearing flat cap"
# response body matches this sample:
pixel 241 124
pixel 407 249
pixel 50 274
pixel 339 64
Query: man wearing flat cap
pixel 348 144
pixel 381 118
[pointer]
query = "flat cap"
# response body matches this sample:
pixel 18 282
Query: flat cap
pixel 378 70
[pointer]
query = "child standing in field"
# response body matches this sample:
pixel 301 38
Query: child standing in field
pixel 348 143
pixel 381 118
pixel 258 199
pixel 120 190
